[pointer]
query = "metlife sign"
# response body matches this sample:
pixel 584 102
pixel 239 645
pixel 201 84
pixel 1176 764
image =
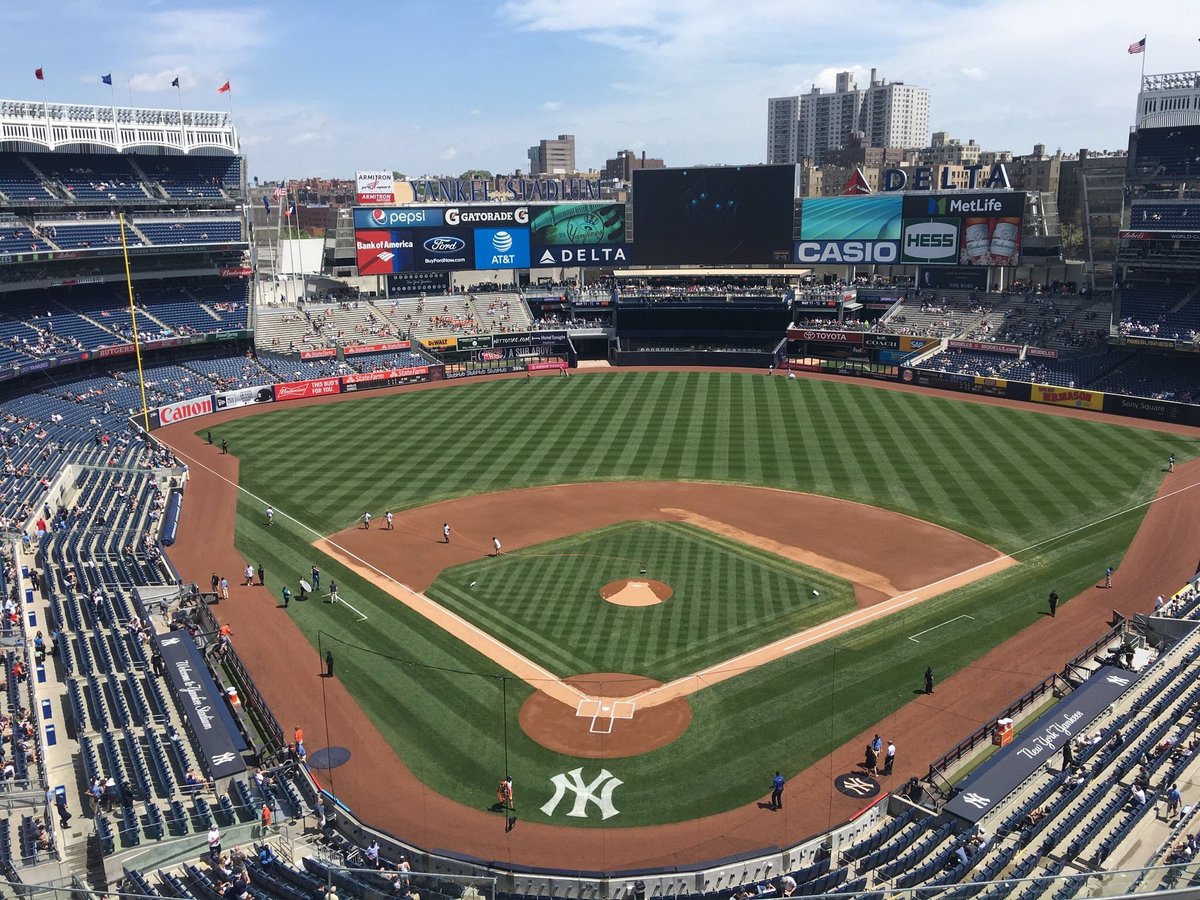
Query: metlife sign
pixel 501 248
pixel 928 241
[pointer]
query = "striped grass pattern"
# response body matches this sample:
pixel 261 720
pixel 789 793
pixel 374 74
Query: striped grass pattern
pixel 1031 484
pixel 727 599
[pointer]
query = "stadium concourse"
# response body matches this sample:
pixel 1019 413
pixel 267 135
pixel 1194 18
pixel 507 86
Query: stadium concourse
pixel 284 660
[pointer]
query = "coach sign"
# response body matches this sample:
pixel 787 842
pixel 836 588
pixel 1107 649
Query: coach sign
pixel 992 782
pixel 203 706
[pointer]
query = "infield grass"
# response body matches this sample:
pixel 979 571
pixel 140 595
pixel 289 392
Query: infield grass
pixel 1064 496
pixel 727 599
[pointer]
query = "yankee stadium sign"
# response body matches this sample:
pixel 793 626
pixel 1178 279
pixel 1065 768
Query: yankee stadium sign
pixel 479 190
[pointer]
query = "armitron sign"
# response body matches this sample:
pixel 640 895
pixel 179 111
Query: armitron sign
pixel 184 410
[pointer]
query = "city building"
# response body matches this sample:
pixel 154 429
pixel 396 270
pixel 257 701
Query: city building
pixel 622 166
pixel 810 125
pixel 1036 171
pixel 553 157
pixel 946 149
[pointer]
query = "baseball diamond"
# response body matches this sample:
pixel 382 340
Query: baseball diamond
pixel 1049 495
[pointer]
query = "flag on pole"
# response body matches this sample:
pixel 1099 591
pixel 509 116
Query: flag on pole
pixel 266 204
pixel 107 79
pixel 224 89
pixel 291 210
pixel 175 82
pixel 1138 46
pixel 37 73
pixel 280 191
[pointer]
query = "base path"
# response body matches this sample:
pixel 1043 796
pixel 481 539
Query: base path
pixel 287 669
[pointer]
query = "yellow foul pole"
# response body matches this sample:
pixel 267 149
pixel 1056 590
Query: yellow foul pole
pixel 137 345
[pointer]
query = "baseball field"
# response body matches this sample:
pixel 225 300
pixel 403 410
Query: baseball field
pixel 936 530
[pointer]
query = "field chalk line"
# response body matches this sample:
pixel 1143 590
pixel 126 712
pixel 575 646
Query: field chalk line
pixel 914 637
pixel 689 684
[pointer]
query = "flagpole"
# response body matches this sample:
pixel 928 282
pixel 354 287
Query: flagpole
pixel 112 93
pixel 46 108
pixel 183 142
pixel 1142 81
pixel 137 344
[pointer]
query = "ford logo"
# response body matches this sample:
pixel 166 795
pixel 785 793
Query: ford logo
pixel 444 244
pixel 379 216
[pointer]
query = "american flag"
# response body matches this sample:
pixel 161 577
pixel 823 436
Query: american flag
pixel 1138 46
pixel 281 191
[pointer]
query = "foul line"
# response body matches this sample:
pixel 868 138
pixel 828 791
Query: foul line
pixel 688 684
pixel 913 637
pixel 334 598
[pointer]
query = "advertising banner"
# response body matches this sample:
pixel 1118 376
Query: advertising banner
pixel 874 217
pixel 235 272
pixel 1146 408
pixel 445 249
pixel 1163 343
pixel 837 230
pixel 1010 349
pixel 538 366
pixel 577 224
pixel 441 344
pixel 1159 235
pixel 399 217
pixel 908 342
pixel 374 188
pixel 1061 396
pixel 474 341
pixel 385 378
pixel 242 397
pixel 322 353
pixel 404 284
pixel 583 255
pixel 1005 771
pixel 183 410
pixel 953 278
pixel 501 248
pixel 853 338
pixel 298 390
pixel 382 251
pixel 986 227
pixel 1041 352
pixel 203 704
pixel 881 341
pixel 389 347
pixel 489 214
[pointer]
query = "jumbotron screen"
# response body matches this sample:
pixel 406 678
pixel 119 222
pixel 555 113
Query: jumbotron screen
pixel 714 216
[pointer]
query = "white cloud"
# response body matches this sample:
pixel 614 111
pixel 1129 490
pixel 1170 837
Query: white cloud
pixel 449 153
pixel 974 73
pixel 552 105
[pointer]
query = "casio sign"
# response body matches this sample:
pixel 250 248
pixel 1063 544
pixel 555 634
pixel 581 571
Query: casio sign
pixel 930 240
pixel 444 244
pixel 830 252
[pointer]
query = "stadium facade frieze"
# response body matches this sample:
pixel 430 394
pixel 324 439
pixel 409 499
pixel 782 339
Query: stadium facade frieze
pixel 480 190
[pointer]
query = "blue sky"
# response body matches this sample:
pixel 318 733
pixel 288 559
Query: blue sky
pixel 440 87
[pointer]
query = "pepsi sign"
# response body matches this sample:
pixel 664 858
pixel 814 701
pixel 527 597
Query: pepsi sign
pixel 398 217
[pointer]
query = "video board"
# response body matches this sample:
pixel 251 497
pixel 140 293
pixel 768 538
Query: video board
pixel 943 229
pixel 714 216
pixel 391 240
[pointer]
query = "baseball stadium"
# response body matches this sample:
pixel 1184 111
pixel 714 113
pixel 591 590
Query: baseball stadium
pixel 707 543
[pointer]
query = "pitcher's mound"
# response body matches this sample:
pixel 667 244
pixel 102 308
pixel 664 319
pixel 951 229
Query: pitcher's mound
pixel 560 728
pixel 627 592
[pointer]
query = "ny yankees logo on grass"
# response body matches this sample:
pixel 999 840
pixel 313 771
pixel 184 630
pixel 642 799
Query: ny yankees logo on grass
pixel 605 783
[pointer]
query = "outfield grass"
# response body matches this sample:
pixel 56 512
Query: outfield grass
pixel 728 598
pixel 1043 487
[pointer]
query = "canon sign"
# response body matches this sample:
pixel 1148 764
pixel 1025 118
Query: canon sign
pixel 184 410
